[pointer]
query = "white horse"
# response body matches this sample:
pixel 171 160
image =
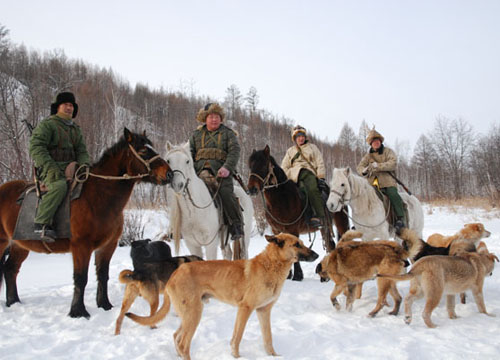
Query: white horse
pixel 368 213
pixel 193 214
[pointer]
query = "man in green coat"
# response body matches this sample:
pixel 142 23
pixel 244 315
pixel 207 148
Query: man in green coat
pixel 57 147
pixel 377 166
pixel 215 149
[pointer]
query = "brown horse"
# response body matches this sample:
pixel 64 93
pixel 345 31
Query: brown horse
pixel 283 204
pixel 96 218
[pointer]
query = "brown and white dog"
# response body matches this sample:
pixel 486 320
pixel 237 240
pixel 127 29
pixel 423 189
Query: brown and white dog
pixel 250 285
pixel 354 262
pixel 473 232
pixel 435 275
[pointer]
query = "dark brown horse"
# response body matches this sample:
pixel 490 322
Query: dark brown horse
pixel 96 218
pixel 283 204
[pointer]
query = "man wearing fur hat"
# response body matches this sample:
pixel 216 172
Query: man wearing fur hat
pixel 377 166
pixel 303 164
pixel 56 146
pixel 215 149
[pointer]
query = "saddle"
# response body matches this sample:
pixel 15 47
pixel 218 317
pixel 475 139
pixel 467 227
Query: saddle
pixel 25 227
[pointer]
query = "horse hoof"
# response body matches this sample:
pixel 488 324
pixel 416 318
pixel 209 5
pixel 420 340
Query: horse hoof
pixel 298 278
pixel 79 313
pixel 106 306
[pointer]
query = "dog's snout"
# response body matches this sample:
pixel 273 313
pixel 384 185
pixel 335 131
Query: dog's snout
pixel 319 268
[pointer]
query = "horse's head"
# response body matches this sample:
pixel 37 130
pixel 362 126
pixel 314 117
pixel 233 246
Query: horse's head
pixel 145 159
pixel 259 165
pixel 340 189
pixel 180 160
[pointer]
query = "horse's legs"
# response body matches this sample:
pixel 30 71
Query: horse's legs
pixel 16 257
pixel 102 259
pixel 81 259
pixel 298 275
pixel 195 249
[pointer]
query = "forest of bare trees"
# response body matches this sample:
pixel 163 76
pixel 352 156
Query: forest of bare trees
pixel 451 161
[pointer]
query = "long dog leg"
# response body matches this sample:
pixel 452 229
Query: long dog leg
pixel 264 315
pixel 131 293
pixel 241 321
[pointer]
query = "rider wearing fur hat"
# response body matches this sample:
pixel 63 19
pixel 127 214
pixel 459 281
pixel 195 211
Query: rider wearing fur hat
pixel 56 146
pixel 215 149
pixel 377 166
pixel 303 164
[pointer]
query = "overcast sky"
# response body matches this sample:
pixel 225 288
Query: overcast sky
pixel 396 64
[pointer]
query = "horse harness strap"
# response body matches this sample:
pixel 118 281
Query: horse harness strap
pixel 83 176
pixel 205 153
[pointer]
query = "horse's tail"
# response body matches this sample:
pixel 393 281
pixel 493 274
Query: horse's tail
pixel 175 224
pixel 155 318
pixel 3 259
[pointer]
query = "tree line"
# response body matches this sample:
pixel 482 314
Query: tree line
pixel 450 162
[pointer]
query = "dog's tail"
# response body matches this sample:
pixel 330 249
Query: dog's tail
pixel 402 277
pixel 126 276
pixel 412 243
pixel 350 235
pixel 155 318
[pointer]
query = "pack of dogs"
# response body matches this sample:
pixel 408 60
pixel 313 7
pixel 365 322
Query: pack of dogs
pixel 442 265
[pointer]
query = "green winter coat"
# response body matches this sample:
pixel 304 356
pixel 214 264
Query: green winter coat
pixel 214 149
pixel 54 144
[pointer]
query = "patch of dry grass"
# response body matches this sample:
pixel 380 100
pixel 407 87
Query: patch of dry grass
pixel 491 207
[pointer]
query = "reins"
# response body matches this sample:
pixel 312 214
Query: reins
pixel 83 172
pixel 271 177
pixel 186 190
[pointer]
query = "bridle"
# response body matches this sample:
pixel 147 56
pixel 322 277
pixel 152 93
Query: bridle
pixel 185 191
pixel 270 180
pixel 83 171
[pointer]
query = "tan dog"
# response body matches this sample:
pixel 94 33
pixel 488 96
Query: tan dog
pixel 435 275
pixel 355 262
pixel 250 285
pixel 473 232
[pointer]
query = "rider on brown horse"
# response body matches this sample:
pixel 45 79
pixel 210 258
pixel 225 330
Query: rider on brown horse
pixel 303 164
pixel 56 147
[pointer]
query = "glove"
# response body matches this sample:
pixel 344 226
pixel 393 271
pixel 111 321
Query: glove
pixel 223 172
pixel 366 171
pixel 374 165
pixel 69 172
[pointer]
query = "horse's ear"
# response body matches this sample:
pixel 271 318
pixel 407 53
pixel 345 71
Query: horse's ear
pixel 168 146
pixel 128 135
pixel 254 151
pixel 187 147
pixel 267 150
pixel 274 239
pixel 144 133
pixel 347 171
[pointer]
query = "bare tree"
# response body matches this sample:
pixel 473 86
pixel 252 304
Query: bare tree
pixel 454 141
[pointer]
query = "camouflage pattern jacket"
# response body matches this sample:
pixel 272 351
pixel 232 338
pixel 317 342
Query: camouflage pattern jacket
pixel 214 149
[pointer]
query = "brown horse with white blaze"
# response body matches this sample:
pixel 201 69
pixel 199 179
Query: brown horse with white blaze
pixel 283 204
pixel 96 218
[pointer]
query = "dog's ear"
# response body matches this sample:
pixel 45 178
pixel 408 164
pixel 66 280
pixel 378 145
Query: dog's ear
pixel 274 239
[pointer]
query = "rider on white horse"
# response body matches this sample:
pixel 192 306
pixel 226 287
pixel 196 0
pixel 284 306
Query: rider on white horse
pixel 378 166
pixel 215 150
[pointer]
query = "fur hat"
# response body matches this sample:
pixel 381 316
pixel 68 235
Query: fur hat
pixel 61 98
pixel 210 108
pixel 298 130
pixel 372 135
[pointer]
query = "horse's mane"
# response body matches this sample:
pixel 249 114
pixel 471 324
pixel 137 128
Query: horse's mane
pixel 115 149
pixel 359 184
pixel 278 171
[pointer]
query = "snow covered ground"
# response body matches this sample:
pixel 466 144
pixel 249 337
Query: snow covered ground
pixel 304 323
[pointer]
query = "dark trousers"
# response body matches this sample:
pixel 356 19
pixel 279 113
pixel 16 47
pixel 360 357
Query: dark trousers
pixel 309 183
pixel 396 201
pixel 230 203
